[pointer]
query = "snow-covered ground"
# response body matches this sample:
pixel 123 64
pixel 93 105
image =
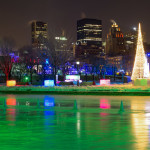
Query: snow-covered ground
pixel 115 88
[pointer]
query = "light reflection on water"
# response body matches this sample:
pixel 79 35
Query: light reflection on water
pixel 11 112
pixel 52 122
pixel 140 123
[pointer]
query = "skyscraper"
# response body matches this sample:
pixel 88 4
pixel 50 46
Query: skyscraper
pixel 61 44
pixel 131 41
pixel 38 29
pixel 115 41
pixel 89 37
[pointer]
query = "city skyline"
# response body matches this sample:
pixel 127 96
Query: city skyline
pixel 63 15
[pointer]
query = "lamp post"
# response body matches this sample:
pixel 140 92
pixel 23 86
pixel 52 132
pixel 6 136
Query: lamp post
pixel 114 73
pixel 101 67
pixel 78 63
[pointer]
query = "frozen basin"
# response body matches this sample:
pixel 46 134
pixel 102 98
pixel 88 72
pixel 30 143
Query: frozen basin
pixel 45 122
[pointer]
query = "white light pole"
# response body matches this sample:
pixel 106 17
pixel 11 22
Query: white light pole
pixel 78 63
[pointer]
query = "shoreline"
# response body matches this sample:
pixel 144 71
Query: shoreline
pixel 102 93
pixel 115 90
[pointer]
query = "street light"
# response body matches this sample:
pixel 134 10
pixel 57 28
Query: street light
pixel 78 63
pixel 134 28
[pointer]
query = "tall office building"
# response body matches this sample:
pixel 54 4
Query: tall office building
pixel 115 41
pixel 89 37
pixel 131 41
pixel 61 44
pixel 38 29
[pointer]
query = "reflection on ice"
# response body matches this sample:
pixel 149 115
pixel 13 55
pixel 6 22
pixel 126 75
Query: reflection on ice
pixel 49 101
pixel 78 124
pixel 11 112
pixel 96 123
pixel 141 122
pixel 11 101
pixel 104 104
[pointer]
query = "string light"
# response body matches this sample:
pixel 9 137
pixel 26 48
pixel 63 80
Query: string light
pixel 139 69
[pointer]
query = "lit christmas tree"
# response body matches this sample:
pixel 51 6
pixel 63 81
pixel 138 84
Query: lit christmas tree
pixel 141 68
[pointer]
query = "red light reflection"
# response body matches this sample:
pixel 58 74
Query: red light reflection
pixel 11 101
pixel 11 112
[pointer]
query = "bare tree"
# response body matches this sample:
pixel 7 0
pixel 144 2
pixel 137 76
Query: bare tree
pixel 6 61
pixel 58 57
pixel 29 56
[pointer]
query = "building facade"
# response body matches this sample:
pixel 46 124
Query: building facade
pixel 38 28
pixel 131 41
pixel 89 37
pixel 115 44
pixel 61 44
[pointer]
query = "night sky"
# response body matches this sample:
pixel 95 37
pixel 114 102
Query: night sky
pixel 15 16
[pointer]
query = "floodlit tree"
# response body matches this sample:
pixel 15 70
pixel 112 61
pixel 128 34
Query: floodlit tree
pixel 28 57
pixel 6 60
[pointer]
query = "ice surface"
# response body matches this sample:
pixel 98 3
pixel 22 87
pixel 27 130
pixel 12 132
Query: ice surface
pixel 45 122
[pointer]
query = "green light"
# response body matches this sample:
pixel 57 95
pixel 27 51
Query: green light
pixel 26 78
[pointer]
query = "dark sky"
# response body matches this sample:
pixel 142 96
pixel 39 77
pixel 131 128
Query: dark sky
pixel 63 14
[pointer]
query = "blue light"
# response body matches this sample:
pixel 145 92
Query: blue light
pixel 49 83
pixel 49 101
pixel 46 61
